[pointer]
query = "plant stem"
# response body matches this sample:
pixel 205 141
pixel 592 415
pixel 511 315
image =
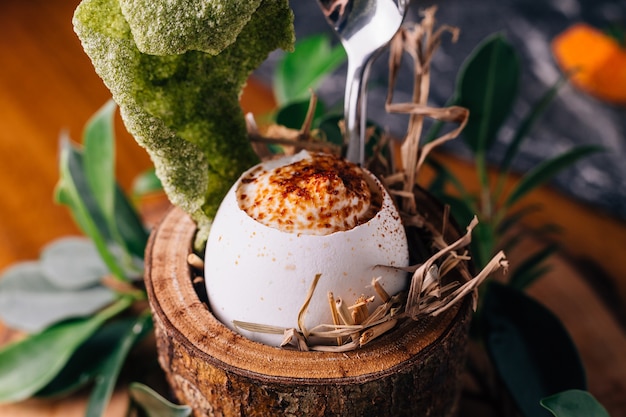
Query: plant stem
pixel 114 309
pixel 483 181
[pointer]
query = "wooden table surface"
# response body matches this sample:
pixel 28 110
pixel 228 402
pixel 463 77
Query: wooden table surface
pixel 47 85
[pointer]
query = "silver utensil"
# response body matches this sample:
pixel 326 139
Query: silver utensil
pixel 364 27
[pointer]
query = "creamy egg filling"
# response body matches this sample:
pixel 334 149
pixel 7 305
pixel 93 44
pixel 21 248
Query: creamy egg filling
pixel 310 193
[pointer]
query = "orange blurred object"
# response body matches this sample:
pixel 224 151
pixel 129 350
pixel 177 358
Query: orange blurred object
pixel 596 60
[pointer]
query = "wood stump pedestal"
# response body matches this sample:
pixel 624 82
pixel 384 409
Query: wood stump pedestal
pixel 414 370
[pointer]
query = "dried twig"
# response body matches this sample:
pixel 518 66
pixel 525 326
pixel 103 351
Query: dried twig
pixel 420 41
pixel 291 139
pixel 305 305
pixel 334 313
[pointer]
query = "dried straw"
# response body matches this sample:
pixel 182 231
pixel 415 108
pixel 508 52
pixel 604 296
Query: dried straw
pixel 354 326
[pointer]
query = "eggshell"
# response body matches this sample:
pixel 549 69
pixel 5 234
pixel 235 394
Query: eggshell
pixel 259 274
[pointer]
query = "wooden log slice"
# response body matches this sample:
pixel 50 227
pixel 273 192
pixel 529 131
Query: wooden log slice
pixel 414 370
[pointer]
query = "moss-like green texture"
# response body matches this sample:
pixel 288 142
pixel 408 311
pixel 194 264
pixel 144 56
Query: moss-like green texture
pixel 172 27
pixel 184 108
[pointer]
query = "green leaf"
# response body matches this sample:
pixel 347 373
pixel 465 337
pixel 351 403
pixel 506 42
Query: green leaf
pixel 484 242
pixel 509 242
pixel 374 141
pixel 443 178
pixel 30 302
pixel 433 130
pixel 533 353
pixel 487 85
pixel 527 124
pixel 154 405
pixel 30 364
pixel 292 115
pixel 533 274
pixel 546 170
pixel 99 159
pixel 132 233
pixel 73 191
pixel 329 124
pixel 617 31
pixel 123 223
pixel 112 365
pixel 312 60
pixel 574 403
pixel 72 263
pixel 530 269
pixel 463 211
pixel 146 183
pixel 89 359
pixel 460 210
pixel 513 218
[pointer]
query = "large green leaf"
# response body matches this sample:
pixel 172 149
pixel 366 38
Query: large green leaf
pixel 132 232
pixel 463 209
pixel 487 85
pixel 112 364
pixel 72 263
pixel 123 223
pixel 531 268
pixel 99 159
pixel 87 363
pixel 313 59
pixel 73 190
pixel 154 405
pixel 532 351
pixel 445 177
pixel 146 183
pixel 293 114
pixel 329 125
pixel 30 364
pixel 527 124
pixel 546 170
pixel 514 217
pixel 30 302
pixel 484 241
pixel 574 403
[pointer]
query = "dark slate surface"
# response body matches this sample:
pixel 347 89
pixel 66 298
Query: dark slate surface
pixel 573 119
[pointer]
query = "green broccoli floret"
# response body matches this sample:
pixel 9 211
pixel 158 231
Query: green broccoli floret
pixel 184 108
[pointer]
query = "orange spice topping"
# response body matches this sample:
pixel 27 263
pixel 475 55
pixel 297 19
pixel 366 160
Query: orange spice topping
pixel 318 194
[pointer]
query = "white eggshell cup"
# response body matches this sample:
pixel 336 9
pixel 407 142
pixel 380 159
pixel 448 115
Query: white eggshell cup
pixel 259 274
